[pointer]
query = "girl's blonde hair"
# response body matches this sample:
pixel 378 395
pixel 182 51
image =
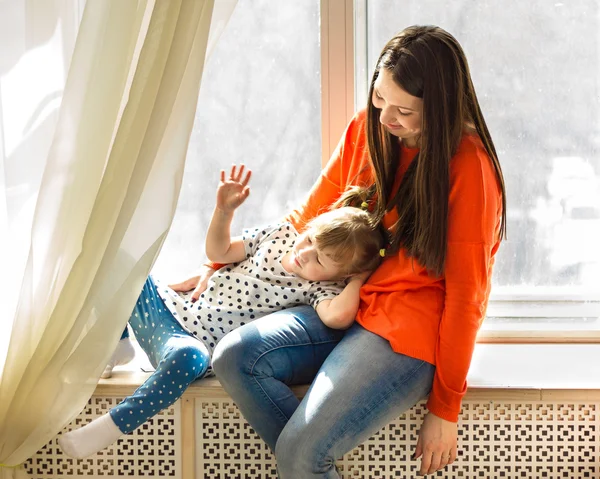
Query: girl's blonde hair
pixel 350 236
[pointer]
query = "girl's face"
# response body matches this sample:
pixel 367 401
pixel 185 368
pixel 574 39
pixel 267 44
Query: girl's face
pixel 309 262
pixel 401 113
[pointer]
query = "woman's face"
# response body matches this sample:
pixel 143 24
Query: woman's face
pixel 401 113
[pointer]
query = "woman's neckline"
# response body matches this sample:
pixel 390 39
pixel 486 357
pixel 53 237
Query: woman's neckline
pixel 404 146
pixel 409 149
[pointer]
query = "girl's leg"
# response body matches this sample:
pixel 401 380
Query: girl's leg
pixel 124 353
pixel 362 386
pixel 179 359
pixel 258 362
pixel 183 360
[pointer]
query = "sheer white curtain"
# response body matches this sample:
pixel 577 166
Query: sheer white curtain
pixel 78 240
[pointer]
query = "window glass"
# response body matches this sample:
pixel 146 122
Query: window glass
pixel 260 104
pixel 535 66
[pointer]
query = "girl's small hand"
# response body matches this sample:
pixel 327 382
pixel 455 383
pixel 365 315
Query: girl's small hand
pixel 185 286
pixel 233 191
pixel 196 283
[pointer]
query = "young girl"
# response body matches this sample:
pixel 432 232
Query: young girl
pixel 273 268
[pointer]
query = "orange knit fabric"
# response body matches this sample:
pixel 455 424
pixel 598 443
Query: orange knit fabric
pixel 435 319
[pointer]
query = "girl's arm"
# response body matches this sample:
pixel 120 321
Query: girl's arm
pixel 339 312
pixel 220 246
pixel 347 161
pixel 231 193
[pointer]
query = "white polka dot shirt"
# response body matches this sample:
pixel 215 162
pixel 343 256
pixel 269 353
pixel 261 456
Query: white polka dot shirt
pixel 242 292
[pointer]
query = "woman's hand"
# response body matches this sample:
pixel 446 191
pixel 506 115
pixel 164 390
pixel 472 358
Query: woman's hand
pixel 436 444
pixel 196 283
pixel 233 191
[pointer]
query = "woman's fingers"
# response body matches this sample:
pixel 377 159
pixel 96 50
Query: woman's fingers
pixel 419 449
pixel 438 460
pixel 444 460
pixel 432 461
pixel 453 454
pixel 438 438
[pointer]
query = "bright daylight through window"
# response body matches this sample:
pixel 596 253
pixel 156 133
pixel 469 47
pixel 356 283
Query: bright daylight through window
pixel 539 99
pixel 260 104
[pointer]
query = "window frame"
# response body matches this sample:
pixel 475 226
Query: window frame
pixel 337 72
pixel 344 63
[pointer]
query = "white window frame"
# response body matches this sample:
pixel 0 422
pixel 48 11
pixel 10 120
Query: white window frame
pixel 337 72
pixel 344 75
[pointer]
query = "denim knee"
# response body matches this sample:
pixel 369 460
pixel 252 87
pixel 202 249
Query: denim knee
pixel 300 454
pixel 233 358
pixel 230 356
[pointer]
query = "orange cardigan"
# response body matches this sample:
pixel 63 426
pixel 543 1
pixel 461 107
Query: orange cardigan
pixel 435 319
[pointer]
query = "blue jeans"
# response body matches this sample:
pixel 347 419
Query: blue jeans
pixel 359 384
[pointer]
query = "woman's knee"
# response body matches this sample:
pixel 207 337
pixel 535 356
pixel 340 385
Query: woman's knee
pixel 246 352
pixel 230 356
pixel 300 452
pixel 274 345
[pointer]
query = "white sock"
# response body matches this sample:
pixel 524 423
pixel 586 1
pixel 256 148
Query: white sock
pixel 124 352
pixel 95 436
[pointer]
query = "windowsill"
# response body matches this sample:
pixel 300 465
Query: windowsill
pixel 551 367
pixel 520 329
pixel 498 372
pixel 538 336
pixel 557 316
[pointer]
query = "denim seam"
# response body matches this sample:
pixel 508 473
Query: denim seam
pixel 412 374
pixel 270 351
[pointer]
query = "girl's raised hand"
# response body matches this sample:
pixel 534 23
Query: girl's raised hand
pixel 233 191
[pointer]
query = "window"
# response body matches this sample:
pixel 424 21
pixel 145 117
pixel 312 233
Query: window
pixel 536 69
pixel 260 104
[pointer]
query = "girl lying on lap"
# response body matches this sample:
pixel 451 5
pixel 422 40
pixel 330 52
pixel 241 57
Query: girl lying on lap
pixel 273 268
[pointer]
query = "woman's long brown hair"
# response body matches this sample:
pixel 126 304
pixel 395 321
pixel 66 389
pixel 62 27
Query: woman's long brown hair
pixel 428 63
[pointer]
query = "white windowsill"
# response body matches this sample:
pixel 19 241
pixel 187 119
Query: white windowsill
pixel 498 372
pixel 536 366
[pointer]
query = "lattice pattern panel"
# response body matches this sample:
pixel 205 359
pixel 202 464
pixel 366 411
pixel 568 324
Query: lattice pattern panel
pixel 154 449
pixel 496 440
pixel 226 445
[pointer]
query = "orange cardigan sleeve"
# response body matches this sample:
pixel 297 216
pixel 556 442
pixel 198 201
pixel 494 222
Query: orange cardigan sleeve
pixel 342 167
pixel 475 206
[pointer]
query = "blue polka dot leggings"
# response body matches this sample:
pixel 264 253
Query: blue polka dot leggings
pixel 178 357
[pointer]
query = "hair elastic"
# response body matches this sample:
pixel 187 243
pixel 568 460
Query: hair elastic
pixel 382 252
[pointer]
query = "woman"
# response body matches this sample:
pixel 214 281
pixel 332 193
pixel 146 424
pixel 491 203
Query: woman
pixel 423 148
